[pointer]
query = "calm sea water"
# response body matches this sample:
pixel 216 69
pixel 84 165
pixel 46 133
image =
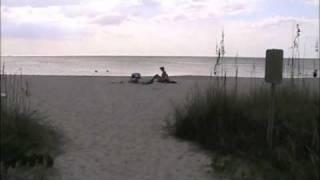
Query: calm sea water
pixel 147 66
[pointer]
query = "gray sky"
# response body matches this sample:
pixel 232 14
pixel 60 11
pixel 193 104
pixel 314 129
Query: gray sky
pixel 156 27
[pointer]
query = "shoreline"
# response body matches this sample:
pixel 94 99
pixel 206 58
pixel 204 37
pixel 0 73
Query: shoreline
pixel 175 76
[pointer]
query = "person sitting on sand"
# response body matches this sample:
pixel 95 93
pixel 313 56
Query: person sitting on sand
pixel 163 78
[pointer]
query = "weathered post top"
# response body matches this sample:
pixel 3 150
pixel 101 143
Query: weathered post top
pixel 274 66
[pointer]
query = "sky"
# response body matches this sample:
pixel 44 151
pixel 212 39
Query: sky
pixel 156 27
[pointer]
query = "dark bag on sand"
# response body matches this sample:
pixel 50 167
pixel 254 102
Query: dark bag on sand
pixel 135 77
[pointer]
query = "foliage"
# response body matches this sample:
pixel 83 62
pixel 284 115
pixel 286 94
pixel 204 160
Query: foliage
pixel 234 127
pixel 27 139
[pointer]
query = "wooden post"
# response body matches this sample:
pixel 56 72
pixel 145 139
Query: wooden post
pixel 271 116
pixel 273 75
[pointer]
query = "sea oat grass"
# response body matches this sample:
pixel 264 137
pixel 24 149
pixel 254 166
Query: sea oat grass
pixel 231 125
pixel 28 141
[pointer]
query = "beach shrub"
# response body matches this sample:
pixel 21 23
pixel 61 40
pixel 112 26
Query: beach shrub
pixel 234 127
pixel 28 141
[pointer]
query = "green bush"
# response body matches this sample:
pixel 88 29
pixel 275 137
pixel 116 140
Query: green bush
pixel 232 125
pixel 27 140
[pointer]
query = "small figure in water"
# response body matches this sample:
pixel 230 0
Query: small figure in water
pixel 315 73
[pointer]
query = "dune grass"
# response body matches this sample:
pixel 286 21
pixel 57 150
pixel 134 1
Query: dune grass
pixel 234 127
pixel 27 139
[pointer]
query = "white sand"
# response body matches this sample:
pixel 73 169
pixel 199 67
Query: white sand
pixel 115 130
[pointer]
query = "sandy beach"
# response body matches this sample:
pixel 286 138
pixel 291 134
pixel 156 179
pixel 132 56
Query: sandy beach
pixel 115 129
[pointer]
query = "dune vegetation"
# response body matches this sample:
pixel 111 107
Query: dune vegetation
pixel 28 143
pixel 234 128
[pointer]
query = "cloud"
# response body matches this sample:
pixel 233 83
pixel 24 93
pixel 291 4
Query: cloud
pixel 141 8
pixel 277 21
pixel 123 12
pixel 110 19
pixel 36 31
pixel 312 2
pixel 235 8
pixel 145 26
pixel 115 12
pixel 180 17
pixel 38 3
pixel 92 8
pixel 31 14
pixel 35 23
pixel 196 6
pixel 194 10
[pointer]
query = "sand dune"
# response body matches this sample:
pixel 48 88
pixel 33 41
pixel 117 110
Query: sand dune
pixel 115 130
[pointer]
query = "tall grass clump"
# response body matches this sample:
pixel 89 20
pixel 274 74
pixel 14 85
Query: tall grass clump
pixel 28 142
pixel 233 128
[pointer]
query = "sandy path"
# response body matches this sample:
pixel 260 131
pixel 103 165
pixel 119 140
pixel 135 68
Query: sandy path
pixel 116 131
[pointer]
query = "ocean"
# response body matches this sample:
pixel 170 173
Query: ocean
pixel 148 66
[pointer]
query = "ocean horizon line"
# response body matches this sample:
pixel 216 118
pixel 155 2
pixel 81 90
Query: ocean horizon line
pixel 156 56
pixel 124 56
